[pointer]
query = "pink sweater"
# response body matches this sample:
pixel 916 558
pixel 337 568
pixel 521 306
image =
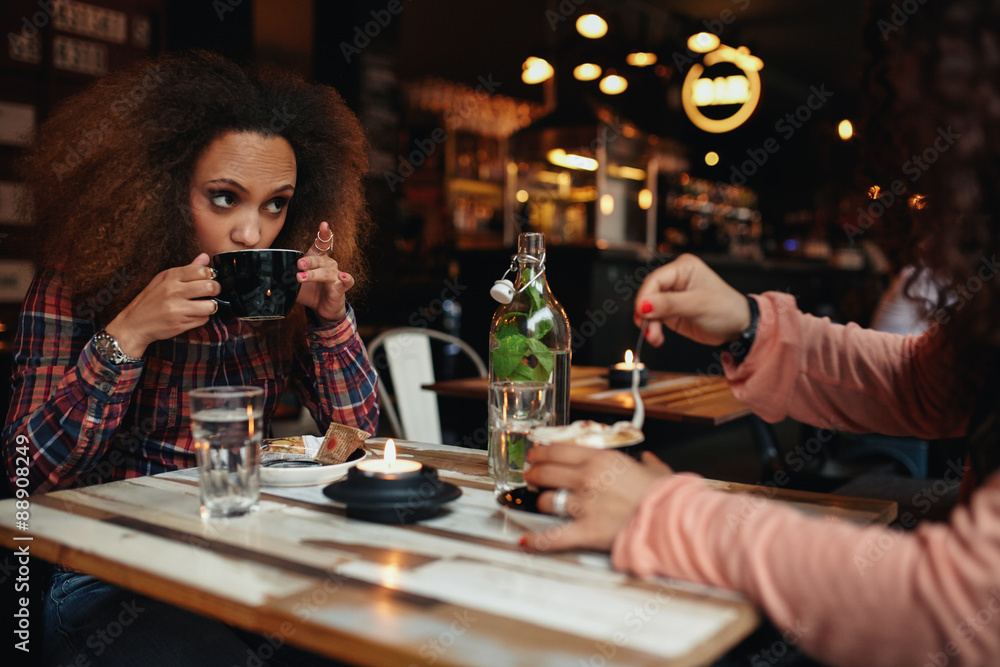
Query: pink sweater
pixel 850 594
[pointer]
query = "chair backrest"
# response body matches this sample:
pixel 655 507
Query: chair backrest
pixel 408 358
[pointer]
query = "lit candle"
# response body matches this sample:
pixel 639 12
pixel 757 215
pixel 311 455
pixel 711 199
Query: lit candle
pixel 388 467
pixel 628 364
pixel 620 375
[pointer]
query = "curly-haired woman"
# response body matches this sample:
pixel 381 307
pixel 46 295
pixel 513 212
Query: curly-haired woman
pixel 848 594
pixel 136 183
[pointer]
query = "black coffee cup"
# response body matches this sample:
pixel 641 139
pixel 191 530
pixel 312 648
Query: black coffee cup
pixel 257 284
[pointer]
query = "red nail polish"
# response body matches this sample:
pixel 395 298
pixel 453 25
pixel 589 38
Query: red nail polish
pixel 523 542
pixel 343 276
pixel 646 307
pixel 303 275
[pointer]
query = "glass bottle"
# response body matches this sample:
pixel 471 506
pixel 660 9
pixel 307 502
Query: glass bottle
pixel 529 340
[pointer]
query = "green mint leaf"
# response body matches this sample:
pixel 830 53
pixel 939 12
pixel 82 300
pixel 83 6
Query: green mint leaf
pixel 539 374
pixel 543 354
pixel 508 355
pixel 507 330
pixel 537 302
pixel 515 453
pixel 543 328
pixel 522 373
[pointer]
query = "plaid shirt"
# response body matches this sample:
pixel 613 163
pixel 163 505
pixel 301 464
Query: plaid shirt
pixel 86 421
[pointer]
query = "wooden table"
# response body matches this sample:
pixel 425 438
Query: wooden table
pixel 683 397
pixel 453 590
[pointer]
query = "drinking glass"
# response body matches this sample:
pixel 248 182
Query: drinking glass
pixel 227 425
pixel 515 408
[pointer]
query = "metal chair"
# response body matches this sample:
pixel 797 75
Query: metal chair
pixel 406 353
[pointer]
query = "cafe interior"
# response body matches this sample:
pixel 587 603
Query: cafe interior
pixel 626 133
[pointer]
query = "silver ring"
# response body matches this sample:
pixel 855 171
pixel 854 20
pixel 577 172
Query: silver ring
pixel 323 240
pixel 326 249
pixel 559 499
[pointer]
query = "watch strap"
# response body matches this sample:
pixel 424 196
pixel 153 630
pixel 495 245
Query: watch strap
pixel 740 348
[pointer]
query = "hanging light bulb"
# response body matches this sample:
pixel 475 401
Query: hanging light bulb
pixel 845 130
pixel 586 72
pixel 592 26
pixel 703 42
pixel 535 70
pixel 641 59
pixel 613 84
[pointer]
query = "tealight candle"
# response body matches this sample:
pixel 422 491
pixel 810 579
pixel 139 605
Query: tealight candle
pixel 620 375
pixel 389 467
pixel 387 490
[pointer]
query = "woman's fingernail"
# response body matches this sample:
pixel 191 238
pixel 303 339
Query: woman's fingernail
pixel 646 307
pixel 303 275
pixel 523 542
pixel 343 276
pixel 302 263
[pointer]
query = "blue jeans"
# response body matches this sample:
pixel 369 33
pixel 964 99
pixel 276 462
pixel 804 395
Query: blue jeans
pixel 91 622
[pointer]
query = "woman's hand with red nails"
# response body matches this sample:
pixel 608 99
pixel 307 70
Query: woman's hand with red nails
pixel 324 285
pixel 604 487
pixel 691 299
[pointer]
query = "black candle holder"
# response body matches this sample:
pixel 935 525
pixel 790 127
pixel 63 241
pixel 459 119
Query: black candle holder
pixel 619 378
pixel 397 498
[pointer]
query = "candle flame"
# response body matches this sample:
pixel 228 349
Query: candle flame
pixel 390 453
pixel 250 418
pixel 628 356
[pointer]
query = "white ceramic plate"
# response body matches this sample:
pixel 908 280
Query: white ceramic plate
pixel 310 475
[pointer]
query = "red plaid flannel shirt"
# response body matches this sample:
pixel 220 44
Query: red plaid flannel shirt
pixel 86 421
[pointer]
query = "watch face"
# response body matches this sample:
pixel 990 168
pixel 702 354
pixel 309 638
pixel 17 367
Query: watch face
pixel 108 347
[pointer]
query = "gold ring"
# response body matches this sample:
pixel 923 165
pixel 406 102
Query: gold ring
pixel 216 307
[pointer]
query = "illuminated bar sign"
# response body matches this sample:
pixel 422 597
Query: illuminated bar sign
pixel 740 90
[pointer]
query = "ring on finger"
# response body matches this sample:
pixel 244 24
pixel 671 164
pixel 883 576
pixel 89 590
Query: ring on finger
pixel 559 499
pixel 323 240
pixel 216 307
pixel 322 249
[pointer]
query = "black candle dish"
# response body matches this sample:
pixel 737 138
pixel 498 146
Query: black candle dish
pixel 620 378
pixel 390 497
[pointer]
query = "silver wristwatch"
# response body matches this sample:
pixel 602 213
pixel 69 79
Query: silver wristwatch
pixel 109 348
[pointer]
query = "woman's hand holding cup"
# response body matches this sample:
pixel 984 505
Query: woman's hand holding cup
pixel 603 487
pixel 173 302
pixel 324 285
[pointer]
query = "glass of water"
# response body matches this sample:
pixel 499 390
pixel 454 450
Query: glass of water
pixel 227 424
pixel 514 409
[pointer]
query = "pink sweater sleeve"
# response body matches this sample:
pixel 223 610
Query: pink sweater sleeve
pixel 845 377
pixel 854 595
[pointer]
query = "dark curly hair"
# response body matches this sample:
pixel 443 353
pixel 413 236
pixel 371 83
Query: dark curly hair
pixel 933 123
pixel 110 175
